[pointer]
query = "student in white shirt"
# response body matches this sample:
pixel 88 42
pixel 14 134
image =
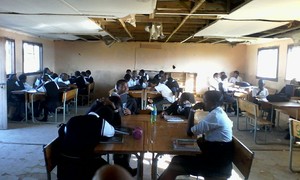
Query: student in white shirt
pixel 214 82
pixel 235 78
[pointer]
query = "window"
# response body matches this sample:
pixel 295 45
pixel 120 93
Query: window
pixel 267 63
pixel 292 63
pixel 10 56
pixel 32 57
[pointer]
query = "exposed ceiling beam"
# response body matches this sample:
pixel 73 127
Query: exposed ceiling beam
pixel 186 18
pixel 124 26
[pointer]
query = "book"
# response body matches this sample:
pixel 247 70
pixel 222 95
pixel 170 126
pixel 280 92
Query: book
pixel 171 118
pixel 185 145
pixel 117 138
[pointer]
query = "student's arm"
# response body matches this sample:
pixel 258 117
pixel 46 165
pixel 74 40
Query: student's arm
pixel 108 130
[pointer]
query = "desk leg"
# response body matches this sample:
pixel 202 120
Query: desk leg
pixel 272 114
pixel 140 165
pixel 154 166
pixel 32 111
pixel 26 106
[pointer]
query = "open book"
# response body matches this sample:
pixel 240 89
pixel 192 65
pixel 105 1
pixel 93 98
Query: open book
pixel 185 145
pixel 171 118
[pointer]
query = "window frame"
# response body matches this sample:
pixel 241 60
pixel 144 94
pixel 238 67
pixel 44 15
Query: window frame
pixel 277 61
pixel 287 55
pixel 13 61
pixel 40 57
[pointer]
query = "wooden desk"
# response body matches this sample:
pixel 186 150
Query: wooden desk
pixel 157 138
pixel 130 145
pixel 162 135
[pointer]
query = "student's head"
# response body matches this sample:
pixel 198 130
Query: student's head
pixel 77 73
pixel 128 71
pixel 186 96
pixel 223 77
pixel 212 99
pixel 216 75
pixel 46 78
pixel 261 84
pixel 22 78
pixel 122 86
pixel 127 77
pixel 153 82
pixel 54 75
pixel 64 76
pixel 83 73
pixel 114 172
pixel 161 73
pixel 142 72
pixel 46 70
pixel 236 73
pixel 88 72
pixel 134 74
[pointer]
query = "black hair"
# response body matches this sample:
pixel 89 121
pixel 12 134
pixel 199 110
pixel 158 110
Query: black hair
pixel 77 73
pixel 127 77
pixel 119 82
pixel 237 72
pixel 154 81
pixel 88 72
pixel 186 96
pixel 22 77
pixel 215 97
pixel 223 77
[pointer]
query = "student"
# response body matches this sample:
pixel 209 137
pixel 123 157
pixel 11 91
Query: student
pixel 235 78
pixel 167 95
pixel 80 83
pixel 214 82
pixel 63 81
pixel 182 106
pixel 22 83
pixel 142 73
pixel 172 84
pixel 128 104
pixel 52 98
pixel 89 77
pixel 217 148
pixel 133 82
pixel 227 98
pixel 78 139
pixel 159 75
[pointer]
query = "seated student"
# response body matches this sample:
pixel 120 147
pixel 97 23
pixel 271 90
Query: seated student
pixel 89 78
pixel 167 95
pixel 128 104
pixel 235 78
pixel 80 83
pixel 172 84
pixel 227 98
pixel 159 75
pixel 15 102
pixel 63 81
pixel 52 98
pixel 214 82
pixel 142 73
pixel 182 106
pixel 217 148
pixel 133 82
pixel 128 71
pixel 78 139
pixel 261 92
pixel 143 82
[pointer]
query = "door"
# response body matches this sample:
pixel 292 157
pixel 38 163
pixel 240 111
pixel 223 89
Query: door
pixel 3 98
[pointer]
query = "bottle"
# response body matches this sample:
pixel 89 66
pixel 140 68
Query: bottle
pixel 153 114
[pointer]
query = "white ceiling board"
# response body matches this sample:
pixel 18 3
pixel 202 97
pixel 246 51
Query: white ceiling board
pixel 50 24
pixel 268 9
pixel 116 8
pixel 237 28
pixel 36 6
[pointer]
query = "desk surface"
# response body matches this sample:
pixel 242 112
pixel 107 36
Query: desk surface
pixel 289 104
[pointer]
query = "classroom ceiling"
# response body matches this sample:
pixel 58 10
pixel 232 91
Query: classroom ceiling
pixel 180 21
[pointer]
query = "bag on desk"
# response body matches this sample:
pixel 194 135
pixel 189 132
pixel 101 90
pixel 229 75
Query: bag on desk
pixel 278 97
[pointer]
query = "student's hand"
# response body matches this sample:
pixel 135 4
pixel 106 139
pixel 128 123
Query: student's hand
pixel 127 112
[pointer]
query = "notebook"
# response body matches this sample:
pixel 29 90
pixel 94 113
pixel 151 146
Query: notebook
pixel 185 145
pixel 171 118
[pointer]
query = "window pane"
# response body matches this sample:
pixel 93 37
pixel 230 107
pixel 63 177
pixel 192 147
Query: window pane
pixel 267 62
pixel 10 56
pixel 292 64
pixel 32 57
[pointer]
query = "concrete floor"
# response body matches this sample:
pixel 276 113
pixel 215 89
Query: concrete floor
pixel 21 156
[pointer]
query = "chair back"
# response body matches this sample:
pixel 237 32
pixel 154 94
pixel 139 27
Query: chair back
pixel 91 87
pixel 51 156
pixel 249 107
pixel 71 94
pixel 242 158
pixel 294 128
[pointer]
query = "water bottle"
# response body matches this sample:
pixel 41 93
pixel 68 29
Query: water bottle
pixel 153 114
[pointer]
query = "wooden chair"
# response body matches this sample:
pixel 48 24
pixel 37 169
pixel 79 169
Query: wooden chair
pixel 51 156
pixel 252 116
pixel 294 133
pixel 242 159
pixel 89 95
pixel 67 98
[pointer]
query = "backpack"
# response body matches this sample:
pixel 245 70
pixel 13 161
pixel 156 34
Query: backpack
pixel 278 97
